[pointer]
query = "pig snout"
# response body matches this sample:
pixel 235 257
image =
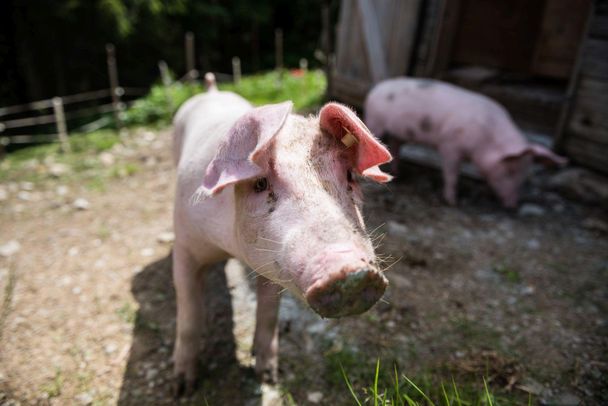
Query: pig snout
pixel 345 287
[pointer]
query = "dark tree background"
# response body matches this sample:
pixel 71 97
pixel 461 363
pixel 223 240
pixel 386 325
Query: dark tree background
pixel 57 47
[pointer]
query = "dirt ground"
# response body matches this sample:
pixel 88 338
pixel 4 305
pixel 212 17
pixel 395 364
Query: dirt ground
pixel 88 307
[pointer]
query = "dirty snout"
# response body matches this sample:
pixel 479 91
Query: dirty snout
pixel 348 284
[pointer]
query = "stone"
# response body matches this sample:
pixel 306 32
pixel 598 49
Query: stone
pixel 147 252
pixel 531 210
pixel 107 159
pixel 596 224
pixel 61 190
pixel 29 186
pixel 10 248
pixel 58 169
pixel 533 244
pixel 581 184
pixel 81 204
pixel 528 290
pixel 563 399
pixel 314 397
pixel 24 195
pixel 3 194
pixel 84 398
pixel 165 237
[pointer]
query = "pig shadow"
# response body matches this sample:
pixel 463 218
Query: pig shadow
pixel 148 375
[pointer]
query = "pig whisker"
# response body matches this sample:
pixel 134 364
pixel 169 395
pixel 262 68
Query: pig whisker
pixel 391 265
pixel 253 271
pixel 268 239
pixel 375 229
pixel 377 241
pixel 266 249
pixel 384 260
pixel 257 275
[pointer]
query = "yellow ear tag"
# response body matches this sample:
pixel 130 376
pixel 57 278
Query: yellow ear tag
pixel 349 139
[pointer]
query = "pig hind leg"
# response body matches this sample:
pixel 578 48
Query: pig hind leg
pixel 266 339
pixel 450 167
pixel 188 278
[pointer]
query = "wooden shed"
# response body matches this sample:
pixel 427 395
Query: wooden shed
pixel 545 61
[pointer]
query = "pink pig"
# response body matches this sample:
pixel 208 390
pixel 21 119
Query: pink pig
pixel 461 125
pixel 279 192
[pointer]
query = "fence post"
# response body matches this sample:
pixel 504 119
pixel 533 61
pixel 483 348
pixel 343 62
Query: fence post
pixel 62 129
pixel 278 48
pixel 115 90
pixel 166 79
pixel 236 70
pixel 191 72
pixel 327 45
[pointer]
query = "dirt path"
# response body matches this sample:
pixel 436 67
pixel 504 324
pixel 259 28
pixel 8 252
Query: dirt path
pixel 88 308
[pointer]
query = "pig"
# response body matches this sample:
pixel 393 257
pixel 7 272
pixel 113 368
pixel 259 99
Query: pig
pixel 461 125
pixel 281 193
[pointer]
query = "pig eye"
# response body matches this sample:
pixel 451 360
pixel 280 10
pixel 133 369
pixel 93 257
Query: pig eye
pixel 349 176
pixel 260 185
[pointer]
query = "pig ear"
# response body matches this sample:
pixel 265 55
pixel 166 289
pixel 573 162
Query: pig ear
pixel 546 156
pixel 339 120
pixel 238 156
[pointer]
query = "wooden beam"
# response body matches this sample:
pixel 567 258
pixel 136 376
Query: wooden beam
pixel 373 40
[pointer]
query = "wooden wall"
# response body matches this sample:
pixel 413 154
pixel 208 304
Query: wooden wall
pixel 374 42
pixel 585 139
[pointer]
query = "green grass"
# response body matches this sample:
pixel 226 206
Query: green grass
pixel 306 91
pixel 508 273
pixel 395 389
pixel 32 163
pixel 160 104
pixel 156 109
pixel 53 388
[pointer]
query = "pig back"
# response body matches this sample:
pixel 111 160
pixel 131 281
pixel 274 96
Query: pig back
pixel 200 125
pixel 425 110
pixel 201 122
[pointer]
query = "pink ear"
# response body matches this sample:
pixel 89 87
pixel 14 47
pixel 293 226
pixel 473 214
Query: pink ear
pixel 547 156
pixel 337 119
pixel 237 158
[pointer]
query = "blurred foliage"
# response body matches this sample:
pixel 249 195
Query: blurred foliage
pixel 50 48
pixel 305 89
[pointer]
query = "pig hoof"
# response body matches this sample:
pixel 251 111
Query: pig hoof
pixel 346 293
pixel 183 387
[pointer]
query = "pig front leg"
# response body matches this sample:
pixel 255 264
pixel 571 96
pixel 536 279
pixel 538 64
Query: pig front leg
pixel 266 338
pixel 188 278
pixel 450 167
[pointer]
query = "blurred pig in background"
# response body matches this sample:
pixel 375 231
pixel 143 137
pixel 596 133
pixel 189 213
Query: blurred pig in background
pixel 461 125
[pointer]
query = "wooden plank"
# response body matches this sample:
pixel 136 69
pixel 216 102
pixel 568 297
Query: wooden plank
pixel 350 91
pixel 344 26
pixel 573 82
pixel 587 153
pixel 373 42
pixel 443 39
pixel 562 30
pixel 35 105
pixel 599 27
pixel 498 33
pixel 589 117
pixel 595 58
pixel 403 27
